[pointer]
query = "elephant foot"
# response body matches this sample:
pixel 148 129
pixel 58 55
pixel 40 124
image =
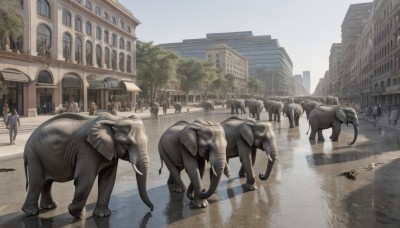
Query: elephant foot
pixel 30 209
pixel 48 205
pixel 76 210
pixel 334 139
pixel 321 140
pixel 198 203
pixel 102 212
pixel 178 189
pixel 291 126
pixel 242 173
pixel 250 187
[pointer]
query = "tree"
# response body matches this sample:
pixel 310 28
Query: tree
pixel 212 74
pixel 255 86
pixel 11 23
pixel 156 67
pixel 224 83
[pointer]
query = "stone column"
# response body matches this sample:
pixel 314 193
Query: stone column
pixel 31 99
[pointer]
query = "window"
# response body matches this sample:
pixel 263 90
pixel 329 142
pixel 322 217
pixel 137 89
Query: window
pixel 97 11
pixel 114 60
pixel 114 20
pixel 128 46
pixel 106 16
pixel 67 43
pixel 98 56
pixel 78 24
pixel 114 40
pixel 129 29
pixel 44 77
pixel 107 57
pixel 129 64
pixel 121 43
pixel 98 33
pixel 89 53
pixel 66 18
pixel 121 61
pixel 43 8
pixel 88 28
pixel 121 24
pixel 88 5
pixel 78 50
pixel 43 40
pixel 106 36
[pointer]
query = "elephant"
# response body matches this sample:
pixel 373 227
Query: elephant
pixel 164 105
pixel 209 105
pixel 189 146
pixel 155 107
pixel 274 108
pixel 255 107
pixel 326 116
pixel 293 111
pixel 178 107
pixel 236 105
pixel 330 100
pixel 244 137
pixel 77 147
pixel 308 106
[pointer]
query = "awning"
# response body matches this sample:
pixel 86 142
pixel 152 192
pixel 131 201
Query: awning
pixel 96 85
pixel 45 86
pixel 130 86
pixel 15 76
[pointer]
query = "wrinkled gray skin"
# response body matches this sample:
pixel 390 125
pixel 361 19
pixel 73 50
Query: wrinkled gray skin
pixel 327 116
pixel 293 111
pixel 178 107
pixel 244 137
pixel 255 107
pixel 274 108
pixel 236 105
pixel 330 100
pixel 155 107
pixel 209 106
pixel 308 106
pixel 81 148
pixel 164 105
pixel 189 146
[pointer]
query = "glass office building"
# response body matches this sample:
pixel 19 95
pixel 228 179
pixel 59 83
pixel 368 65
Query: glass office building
pixel 267 60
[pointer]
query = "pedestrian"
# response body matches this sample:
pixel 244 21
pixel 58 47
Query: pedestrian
pixel 11 124
pixel 5 111
pixel 374 112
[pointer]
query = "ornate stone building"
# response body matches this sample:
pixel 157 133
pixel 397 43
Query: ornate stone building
pixel 82 50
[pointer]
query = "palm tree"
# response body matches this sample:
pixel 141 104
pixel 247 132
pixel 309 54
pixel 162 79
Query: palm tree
pixel 11 23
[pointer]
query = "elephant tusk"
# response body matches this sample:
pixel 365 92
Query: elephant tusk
pixel 136 170
pixel 213 170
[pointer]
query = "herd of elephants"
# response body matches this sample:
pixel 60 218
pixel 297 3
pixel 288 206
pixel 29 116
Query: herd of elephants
pixel 80 148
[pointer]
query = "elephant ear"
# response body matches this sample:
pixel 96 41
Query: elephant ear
pixel 101 138
pixel 247 133
pixel 189 138
pixel 341 115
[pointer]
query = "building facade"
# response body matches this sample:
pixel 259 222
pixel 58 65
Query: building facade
pixel 307 80
pixel 267 60
pixel 335 61
pixel 81 50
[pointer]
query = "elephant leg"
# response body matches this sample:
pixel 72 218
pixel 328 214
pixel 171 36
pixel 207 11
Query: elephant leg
pixel 320 135
pixel 195 176
pixel 270 115
pixel 296 120
pixel 46 200
pixel 190 190
pixel 313 133
pixel 232 109
pixel 227 170
pixel 36 184
pixel 248 169
pixel 336 129
pixel 106 181
pixel 174 177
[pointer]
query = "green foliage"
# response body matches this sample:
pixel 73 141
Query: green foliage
pixel 155 66
pixel 255 86
pixel 11 23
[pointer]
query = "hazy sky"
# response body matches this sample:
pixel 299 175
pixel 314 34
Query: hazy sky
pixel 305 28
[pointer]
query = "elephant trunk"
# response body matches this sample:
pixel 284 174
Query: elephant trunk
pixel 272 153
pixel 355 135
pixel 217 168
pixel 141 167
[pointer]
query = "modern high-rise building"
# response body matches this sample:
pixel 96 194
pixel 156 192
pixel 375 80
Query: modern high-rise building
pixel 335 61
pixel 81 50
pixel 298 78
pixel 307 80
pixel 267 60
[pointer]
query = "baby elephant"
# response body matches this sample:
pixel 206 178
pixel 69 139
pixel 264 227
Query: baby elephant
pixel 188 146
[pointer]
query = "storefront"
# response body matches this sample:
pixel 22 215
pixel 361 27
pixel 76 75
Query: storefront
pixel 44 93
pixel 12 84
pixel 72 89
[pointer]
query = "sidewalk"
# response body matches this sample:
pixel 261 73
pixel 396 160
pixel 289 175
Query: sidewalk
pixel 29 124
pixel 382 121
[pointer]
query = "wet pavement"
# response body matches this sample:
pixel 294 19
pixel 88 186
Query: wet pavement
pixel 305 188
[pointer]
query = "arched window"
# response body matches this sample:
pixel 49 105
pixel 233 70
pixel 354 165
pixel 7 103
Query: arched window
pixel 114 60
pixel 67 44
pixel 128 46
pixel 129 64
pixel 121 61
pixel 78 24
pixel 114 40
pixel 43 8
pixel 78 50
pixel 98 56
pixel 89 53
pixel 98 33
pixel 129 29
pixel 88 28
pixel 66 18
pixel 106 36
pixel 88 5
pixel 97 11
pixel 44 77
pixel 107 57
pixel 43 40
pixel 121 43
pixel 121 24
pixel 114 20
pixel 106 16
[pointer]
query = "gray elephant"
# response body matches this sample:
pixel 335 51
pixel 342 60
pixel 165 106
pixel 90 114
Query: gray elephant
pixel 188 146
pixel 274 108
pixel 164 105
pixel 178 107
pixel 209 105
pixel 293 111
pixel 236 105
pixel 308 106
pixel 327 116
pixel 244 137
pixel 255 107
pixel 331 100
pixel 81 148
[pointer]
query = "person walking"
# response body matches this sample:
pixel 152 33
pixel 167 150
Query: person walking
pixel 11 124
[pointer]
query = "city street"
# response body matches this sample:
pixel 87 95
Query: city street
pixel 305 189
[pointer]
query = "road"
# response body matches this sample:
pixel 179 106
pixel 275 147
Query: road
pixel 305 188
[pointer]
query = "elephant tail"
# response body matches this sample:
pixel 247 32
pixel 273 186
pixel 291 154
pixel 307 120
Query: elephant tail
pixel 162 165
pixel 26 172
